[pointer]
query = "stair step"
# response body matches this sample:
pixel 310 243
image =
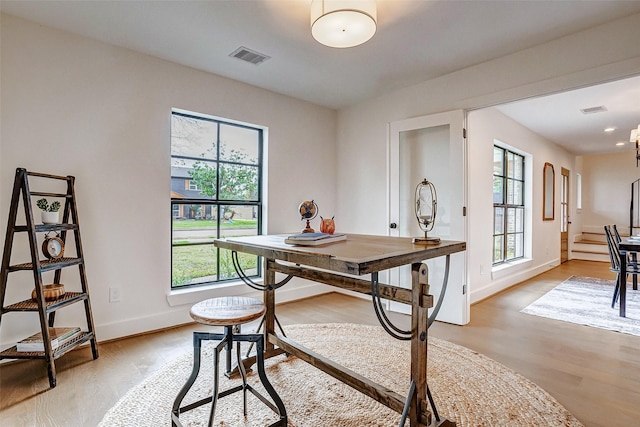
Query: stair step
pixel 590 256
pixel 591 242
pixel 586 251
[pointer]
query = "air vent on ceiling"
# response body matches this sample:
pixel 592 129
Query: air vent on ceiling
pixel 592 110
pixel 249 55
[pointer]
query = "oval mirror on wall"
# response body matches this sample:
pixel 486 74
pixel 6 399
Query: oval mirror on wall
pixel 548 196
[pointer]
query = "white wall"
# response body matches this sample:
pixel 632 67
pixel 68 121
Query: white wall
pixel 75 106
pixel 71 105
pixel 606 189
pixel 602 53
pixel 485 126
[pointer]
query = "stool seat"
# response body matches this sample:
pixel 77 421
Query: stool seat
pixel 227 311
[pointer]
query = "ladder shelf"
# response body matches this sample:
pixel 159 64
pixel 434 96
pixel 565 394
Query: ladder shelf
pixel 45 308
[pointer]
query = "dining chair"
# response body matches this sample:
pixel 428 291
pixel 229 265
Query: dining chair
pixel 614 256
pixel 631 258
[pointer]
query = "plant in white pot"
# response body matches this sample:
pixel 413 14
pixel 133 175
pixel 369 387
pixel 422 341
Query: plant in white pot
pixel 50 214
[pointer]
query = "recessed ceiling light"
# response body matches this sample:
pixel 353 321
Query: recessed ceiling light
pixel 609 129
pixel 620 143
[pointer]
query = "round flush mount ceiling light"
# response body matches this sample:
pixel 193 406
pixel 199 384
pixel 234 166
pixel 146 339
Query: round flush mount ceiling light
pixel 343 23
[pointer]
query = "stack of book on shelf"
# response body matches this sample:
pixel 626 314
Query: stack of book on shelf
pixel 313 239
pixel 59 337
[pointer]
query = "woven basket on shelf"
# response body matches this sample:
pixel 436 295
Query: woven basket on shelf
pixel 51 292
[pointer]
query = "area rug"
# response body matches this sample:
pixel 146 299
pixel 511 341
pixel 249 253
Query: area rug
pixel 587 301
pixel 468 388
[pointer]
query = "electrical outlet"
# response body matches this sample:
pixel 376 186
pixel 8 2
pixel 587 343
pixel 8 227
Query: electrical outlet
pixel 114 294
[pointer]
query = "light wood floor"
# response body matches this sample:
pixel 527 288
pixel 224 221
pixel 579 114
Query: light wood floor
pixel 594 373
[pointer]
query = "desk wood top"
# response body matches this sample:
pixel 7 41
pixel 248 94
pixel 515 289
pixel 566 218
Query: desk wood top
pixel 359 254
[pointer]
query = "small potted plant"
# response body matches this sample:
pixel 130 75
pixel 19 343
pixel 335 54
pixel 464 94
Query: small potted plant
pixel 50 214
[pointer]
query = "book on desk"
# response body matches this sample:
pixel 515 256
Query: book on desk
pixel 314 239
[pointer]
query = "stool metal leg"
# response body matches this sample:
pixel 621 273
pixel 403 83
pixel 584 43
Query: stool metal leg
pixel 175 412
pixel 267 385
pixel 225 340
pixel 233 330
pixel 216 372
pixel 243 374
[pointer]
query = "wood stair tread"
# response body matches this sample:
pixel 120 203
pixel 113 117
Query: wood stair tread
pixel 590 242
pixel 584 251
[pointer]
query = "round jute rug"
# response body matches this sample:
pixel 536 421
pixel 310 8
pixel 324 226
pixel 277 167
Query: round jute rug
pixel 468 388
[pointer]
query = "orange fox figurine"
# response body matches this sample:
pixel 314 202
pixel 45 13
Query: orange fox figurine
pixel 327 225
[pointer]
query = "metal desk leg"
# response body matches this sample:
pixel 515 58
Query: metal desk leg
pixel 622 278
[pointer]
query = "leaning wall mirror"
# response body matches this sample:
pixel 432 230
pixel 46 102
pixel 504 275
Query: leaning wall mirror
pixel 549 193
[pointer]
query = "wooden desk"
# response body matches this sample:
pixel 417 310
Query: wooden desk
pixel 625 246
pixel 358 255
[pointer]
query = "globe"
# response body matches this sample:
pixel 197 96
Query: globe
pixel 308 210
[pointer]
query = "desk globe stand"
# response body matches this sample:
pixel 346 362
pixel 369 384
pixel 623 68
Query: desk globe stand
pixel 308 228
pixel 308 210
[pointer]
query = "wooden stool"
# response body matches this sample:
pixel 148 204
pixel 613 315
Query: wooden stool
pixel 229 312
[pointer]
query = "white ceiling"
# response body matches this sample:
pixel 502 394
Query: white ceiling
pixel 416 40
pixel 559 119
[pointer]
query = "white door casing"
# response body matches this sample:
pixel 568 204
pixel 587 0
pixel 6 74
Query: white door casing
pixel 433 148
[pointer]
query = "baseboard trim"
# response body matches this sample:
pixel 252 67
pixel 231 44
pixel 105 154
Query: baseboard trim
pixel 180 314
pixel 510 280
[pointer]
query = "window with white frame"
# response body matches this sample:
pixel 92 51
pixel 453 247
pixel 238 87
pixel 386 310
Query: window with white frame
pixel 508 205
pixel 216 191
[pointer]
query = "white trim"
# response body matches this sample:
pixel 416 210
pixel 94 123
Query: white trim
pixel 182 301
pixel 296 289
pixel 507 278
pixel 506 268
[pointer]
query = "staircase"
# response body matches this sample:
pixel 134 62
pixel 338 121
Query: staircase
pixel 590 246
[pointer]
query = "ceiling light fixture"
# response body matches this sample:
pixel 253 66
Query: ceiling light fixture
pixel 343 23
pixel 609 129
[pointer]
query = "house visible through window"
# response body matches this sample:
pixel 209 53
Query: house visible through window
pixel 508 205
pixel 216 176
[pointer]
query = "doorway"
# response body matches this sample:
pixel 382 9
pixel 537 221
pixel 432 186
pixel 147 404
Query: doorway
pixel 432 148
pixel 564 216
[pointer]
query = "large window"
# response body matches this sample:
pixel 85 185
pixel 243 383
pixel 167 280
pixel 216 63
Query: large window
pixel 216 176
pixel 508 205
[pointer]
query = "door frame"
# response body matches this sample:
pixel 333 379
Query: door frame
pixel 565 216
pixel 456 120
